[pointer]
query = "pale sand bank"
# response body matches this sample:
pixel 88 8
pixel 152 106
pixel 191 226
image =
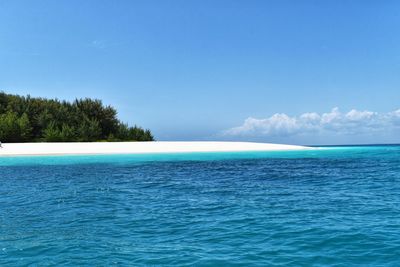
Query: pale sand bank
pixel 10 149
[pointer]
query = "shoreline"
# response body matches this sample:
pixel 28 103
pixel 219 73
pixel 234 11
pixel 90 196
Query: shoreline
pixel 156 147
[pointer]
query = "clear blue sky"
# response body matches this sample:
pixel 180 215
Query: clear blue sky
pixel 198 69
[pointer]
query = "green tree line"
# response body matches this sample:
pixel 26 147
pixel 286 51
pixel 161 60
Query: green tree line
pixel 28 119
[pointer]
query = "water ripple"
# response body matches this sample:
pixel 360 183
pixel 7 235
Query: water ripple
pixel 336 209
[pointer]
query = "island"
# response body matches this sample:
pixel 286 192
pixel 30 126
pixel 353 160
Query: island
pixel 39 126
pixel 28 119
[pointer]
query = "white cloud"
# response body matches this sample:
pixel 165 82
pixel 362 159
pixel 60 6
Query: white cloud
pixel 395 116
pixel 99 44
pixel 105 44
pixel 355 115
pixel 334 122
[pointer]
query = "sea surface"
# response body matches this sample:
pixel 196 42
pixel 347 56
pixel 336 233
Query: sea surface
pixel 330 206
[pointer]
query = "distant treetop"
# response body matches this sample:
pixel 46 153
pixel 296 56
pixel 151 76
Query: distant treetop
pixel 28 119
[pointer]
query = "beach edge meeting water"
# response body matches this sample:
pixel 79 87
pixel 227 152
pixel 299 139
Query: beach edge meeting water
pixel 89 148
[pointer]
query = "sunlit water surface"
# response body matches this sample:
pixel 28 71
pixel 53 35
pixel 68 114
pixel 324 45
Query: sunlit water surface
pixel 336 206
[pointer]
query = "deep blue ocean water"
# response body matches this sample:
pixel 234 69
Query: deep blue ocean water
pixel 334 206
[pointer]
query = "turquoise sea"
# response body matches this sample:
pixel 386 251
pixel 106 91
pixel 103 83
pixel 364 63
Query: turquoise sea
pixel 331 206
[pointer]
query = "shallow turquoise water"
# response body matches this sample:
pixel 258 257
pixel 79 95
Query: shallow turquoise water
pixel 335 206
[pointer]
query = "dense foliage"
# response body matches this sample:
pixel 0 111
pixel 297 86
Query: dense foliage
pixel 27 119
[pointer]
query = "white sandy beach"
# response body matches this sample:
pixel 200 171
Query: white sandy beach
pixel 16 149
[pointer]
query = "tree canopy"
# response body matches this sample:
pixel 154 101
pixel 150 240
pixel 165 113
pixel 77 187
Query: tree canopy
pixel 28 119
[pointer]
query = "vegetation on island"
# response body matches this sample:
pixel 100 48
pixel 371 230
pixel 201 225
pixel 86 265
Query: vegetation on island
pixel 28 119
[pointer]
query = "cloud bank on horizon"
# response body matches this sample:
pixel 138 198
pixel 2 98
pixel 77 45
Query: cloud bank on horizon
pixel 333 123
